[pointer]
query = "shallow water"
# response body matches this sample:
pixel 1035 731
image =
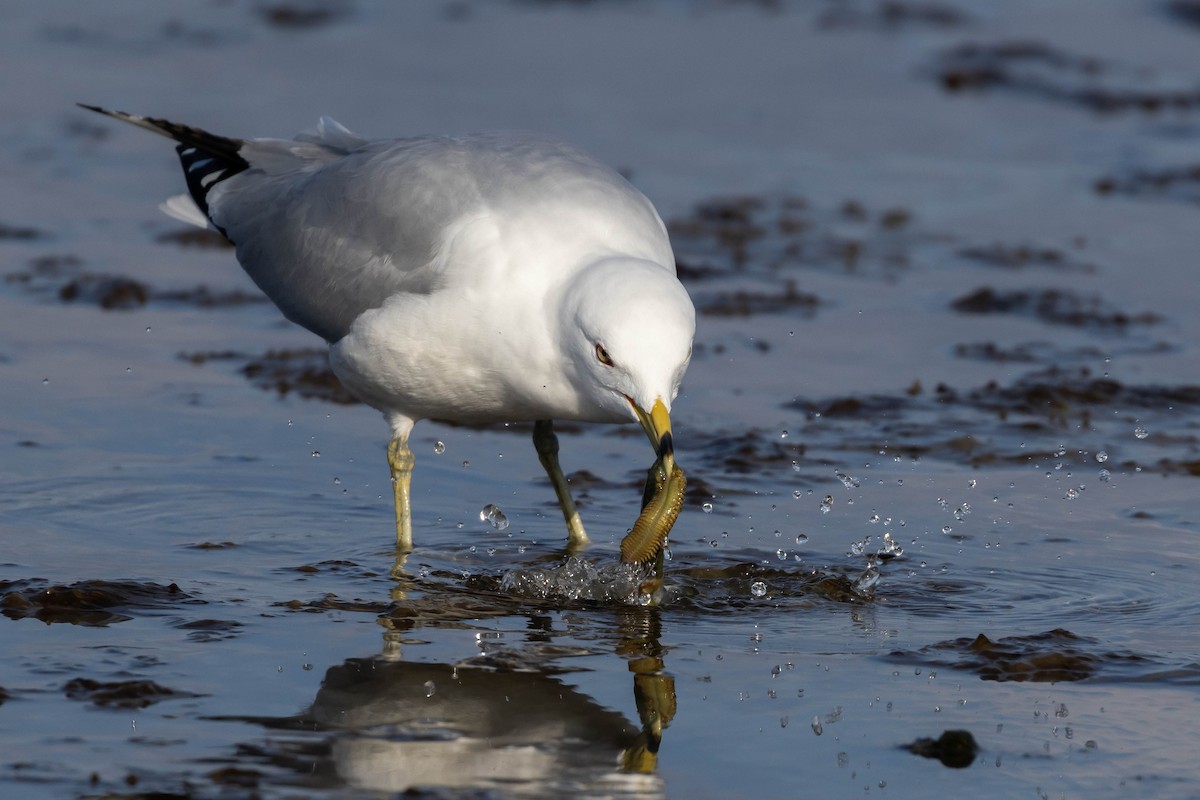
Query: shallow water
pixel 940 430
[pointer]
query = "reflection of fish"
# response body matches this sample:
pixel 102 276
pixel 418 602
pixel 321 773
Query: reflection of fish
pixel 411 724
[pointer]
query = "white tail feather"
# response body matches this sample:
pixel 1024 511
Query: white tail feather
pixel 184 209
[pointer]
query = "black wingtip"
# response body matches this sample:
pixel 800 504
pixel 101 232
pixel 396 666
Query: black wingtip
pixel 207 159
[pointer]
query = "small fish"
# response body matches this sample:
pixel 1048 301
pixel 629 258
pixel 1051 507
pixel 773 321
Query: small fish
pixel 645 541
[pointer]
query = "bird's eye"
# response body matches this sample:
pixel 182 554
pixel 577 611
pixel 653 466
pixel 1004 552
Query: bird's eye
pixel 602 355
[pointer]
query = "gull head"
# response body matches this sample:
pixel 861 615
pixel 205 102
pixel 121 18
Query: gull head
pixel 628 331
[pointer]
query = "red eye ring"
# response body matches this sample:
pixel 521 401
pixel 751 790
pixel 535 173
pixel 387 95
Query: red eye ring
pixel 602 355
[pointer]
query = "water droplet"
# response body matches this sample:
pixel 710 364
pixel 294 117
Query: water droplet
pixel 439 447
pixel 797 494
pixel 466 463
pixel 316 453
pixel 707 508
pixel 946 529
pixel 337 481
pixel 801 538
pixel 430 688
pixel 827 504
pixel 848 481
pixel 1102 456
pixel 783 434
pixel 873 519
pixel 45 381
pixel 1105 475
pixel 758 589
pixel 817 727
pixel 1140 432
pixel 492 514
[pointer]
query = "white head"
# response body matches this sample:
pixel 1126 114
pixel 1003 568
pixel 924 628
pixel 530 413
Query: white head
pixel 629 326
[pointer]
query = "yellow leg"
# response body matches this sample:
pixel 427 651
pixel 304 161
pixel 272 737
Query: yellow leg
pixel 546 444
pixel 401 460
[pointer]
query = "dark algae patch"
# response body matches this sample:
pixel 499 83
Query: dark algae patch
pixel 302 371
pixel 1017 422
pixel 120 694
pixel 1049 657
pixel 745 303
pixel 1052 306
pixel 769 235
pixel 1180 183
pixel 64 278
pixel 19 233
pixel 92 603
pixel 106 291
pixel 892 16
pixel 1044 71
pixel 211 630
pixel 956 749
pixel 1025 256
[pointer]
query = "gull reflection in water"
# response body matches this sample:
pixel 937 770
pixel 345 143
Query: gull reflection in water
pixel 408 725
pixel 498 720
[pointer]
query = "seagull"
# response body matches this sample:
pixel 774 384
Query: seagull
pixel 487 278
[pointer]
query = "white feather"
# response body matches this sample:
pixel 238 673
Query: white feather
pixel 184 209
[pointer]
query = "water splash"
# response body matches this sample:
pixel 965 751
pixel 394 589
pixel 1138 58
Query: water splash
pixel 864 584
pixel 578 579
pixel 890 547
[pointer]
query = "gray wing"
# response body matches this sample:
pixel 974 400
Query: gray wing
pixel 336 233
pixel 329 225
